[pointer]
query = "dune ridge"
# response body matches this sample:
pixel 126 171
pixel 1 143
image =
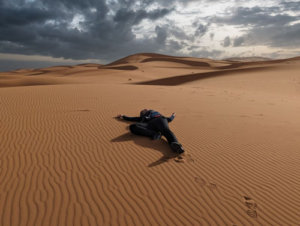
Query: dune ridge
pixel 65 159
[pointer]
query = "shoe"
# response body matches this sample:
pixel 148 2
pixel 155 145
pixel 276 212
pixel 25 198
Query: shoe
pixel 157 136
pixel 177 147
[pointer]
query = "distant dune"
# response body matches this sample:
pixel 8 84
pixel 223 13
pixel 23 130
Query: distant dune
pixel 66 160
pixel 246 59
pixel 168 68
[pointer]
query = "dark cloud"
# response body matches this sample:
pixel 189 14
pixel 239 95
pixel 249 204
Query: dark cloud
pixel 238 41
pixel 146 3
pixel 170 3
pixel 256 16
pixel 161 34
pixel 285 36
pixel 201 30
pixel 174 45
pixel 193 47
pixel 292 6
pixel 135 17
pixel 106 32
pixel 227 41
pixel 68 6
pixel 263 26
pixel 211 35
pixel 23 16
pixel 179 33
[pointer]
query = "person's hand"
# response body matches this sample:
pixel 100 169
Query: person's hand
pixel 174 114
pixel 119 116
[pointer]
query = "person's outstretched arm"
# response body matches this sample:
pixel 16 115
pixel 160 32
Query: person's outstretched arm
pixel 170 119
pixel 134 119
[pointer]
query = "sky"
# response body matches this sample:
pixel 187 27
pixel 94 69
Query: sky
pixel 40 33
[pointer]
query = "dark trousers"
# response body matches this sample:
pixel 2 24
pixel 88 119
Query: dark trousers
pixel 149 129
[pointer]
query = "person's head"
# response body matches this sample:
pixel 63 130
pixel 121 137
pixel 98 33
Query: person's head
pixel 143 112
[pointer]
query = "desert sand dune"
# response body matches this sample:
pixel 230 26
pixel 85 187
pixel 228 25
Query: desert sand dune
pixel 137 58
pixel 90 65
pixel 121 67
pixel 245 59
pixel 182 61
pixel 66 160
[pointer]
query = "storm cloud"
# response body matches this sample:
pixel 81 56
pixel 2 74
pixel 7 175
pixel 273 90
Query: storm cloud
pixel 108 30
pixel 135 17
pixel 287 36
pixel 44 28
pixel 270 26
pixel 293 6
pixel 256 16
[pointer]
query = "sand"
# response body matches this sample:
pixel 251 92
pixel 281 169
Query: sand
pixel 66 160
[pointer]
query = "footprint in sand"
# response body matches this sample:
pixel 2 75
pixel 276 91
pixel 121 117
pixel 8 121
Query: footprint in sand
pixel 212 186
pixel 189 158
pixel 252 213
pixel 252 205
pixel 200 181
pixel 179 159
pixel 183 158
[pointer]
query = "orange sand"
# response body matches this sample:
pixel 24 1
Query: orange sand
pixel 65 159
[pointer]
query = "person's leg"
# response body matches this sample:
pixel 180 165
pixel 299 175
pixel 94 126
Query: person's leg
pixel 142 129
pixel 161 125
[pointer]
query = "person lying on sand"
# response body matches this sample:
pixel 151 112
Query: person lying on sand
pixel 153 124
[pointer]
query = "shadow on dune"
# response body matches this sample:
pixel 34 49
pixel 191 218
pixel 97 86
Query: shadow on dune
pixel 178 80
pixel 125 68
pixel 40 73
pixel 158 145
pixel 90 65
pixel 181 61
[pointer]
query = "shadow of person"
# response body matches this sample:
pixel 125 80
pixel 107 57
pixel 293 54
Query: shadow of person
pixel 159 145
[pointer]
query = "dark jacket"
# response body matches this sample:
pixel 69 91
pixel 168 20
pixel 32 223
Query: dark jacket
pixel 151 114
